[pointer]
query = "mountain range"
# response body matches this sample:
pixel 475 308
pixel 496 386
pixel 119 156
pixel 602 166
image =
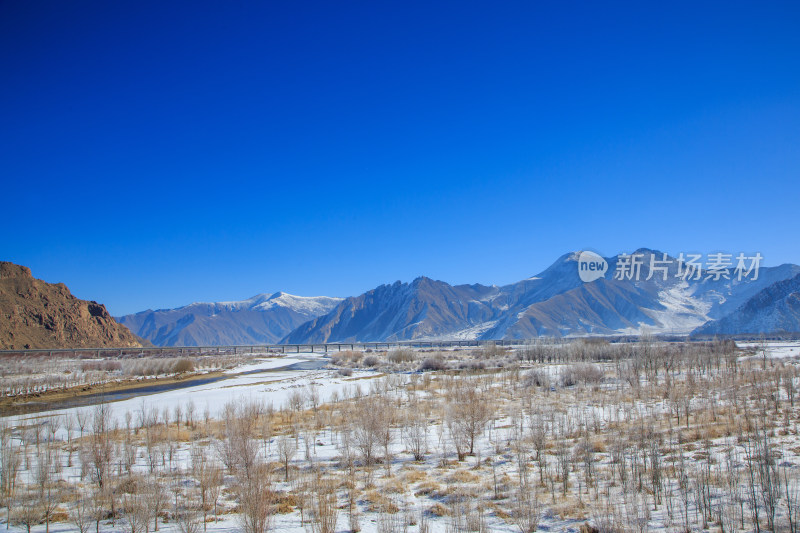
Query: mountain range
pixel 775 309
pixel 262 319
pixel 555 302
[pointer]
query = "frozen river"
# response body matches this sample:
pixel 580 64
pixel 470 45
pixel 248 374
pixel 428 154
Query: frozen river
pixel 269 380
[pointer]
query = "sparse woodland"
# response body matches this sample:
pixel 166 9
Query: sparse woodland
pixel 606 437
pixel 31 375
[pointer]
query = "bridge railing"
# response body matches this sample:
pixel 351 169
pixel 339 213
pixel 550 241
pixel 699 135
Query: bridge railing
pixel 260 348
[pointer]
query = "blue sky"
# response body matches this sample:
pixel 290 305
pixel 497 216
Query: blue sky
pixel 155 154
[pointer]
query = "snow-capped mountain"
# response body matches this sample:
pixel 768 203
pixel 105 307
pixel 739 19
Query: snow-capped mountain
pixel 554 302
pixel 664 303
pixel 774 309
pixel 420 309
pixel 262 319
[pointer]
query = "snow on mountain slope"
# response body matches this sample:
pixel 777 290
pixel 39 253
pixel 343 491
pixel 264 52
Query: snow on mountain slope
pixel 310 305
pixel 681 313
pixel 772 310
pixel 467 334
pixel 424 308
pixel 261 319
pixel 661 304
pixel 554 302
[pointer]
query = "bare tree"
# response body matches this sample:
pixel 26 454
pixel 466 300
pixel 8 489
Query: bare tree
pixel 468 412
pixel 255 501
pixel 81 511
pixel 190 414
pixel 135 511
pixel 287 448
pixel 155 498
pixel 48 464
pixel 28 511
pixel 385 435
pixel 101 448
pixel 10 462
pixel 206 472
pixel 367 420
pixel 415 432
pixel 188 516
pixel 324 505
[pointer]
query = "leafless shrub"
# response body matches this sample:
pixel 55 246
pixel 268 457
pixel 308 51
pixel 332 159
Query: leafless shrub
pixel 102 365
pixel 324 510
pixel 472 364
pixel 709 439
pixel 28 511
pixel 492 350
pixel 183 365
pixel 433 363
pixel 10 462
pixel 583 373
pixel 401 356
pixel 371 360
pixel 537 378
pixel 346 357
pixel 526 510
pixel 256 499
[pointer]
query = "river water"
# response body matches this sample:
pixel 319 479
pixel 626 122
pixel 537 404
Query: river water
pixel 294 369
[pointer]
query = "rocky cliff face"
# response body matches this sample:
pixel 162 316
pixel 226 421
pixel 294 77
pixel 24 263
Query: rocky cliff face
pixel 37 314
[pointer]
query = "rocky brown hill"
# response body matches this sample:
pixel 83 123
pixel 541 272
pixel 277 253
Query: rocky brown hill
pixel 37 314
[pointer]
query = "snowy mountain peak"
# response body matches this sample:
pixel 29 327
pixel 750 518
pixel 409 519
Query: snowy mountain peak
pixel 263 318
pixel 555 302
pixel 312 305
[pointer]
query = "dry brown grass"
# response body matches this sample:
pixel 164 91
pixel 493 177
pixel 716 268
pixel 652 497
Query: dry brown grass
pixel 394 486
pixel 463 476
pixel 377 502
pixel 285 503
pixel 437 509
pixel 427 488
pixel 413 475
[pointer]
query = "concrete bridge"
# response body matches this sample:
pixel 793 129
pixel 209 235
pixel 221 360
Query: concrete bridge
pixel 263 348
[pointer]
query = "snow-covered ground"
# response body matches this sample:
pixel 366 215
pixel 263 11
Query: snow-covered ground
pixel 774 349
pixel 268 381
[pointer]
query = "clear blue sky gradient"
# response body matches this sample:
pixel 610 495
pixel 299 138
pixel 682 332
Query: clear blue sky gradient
pixel 155 154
